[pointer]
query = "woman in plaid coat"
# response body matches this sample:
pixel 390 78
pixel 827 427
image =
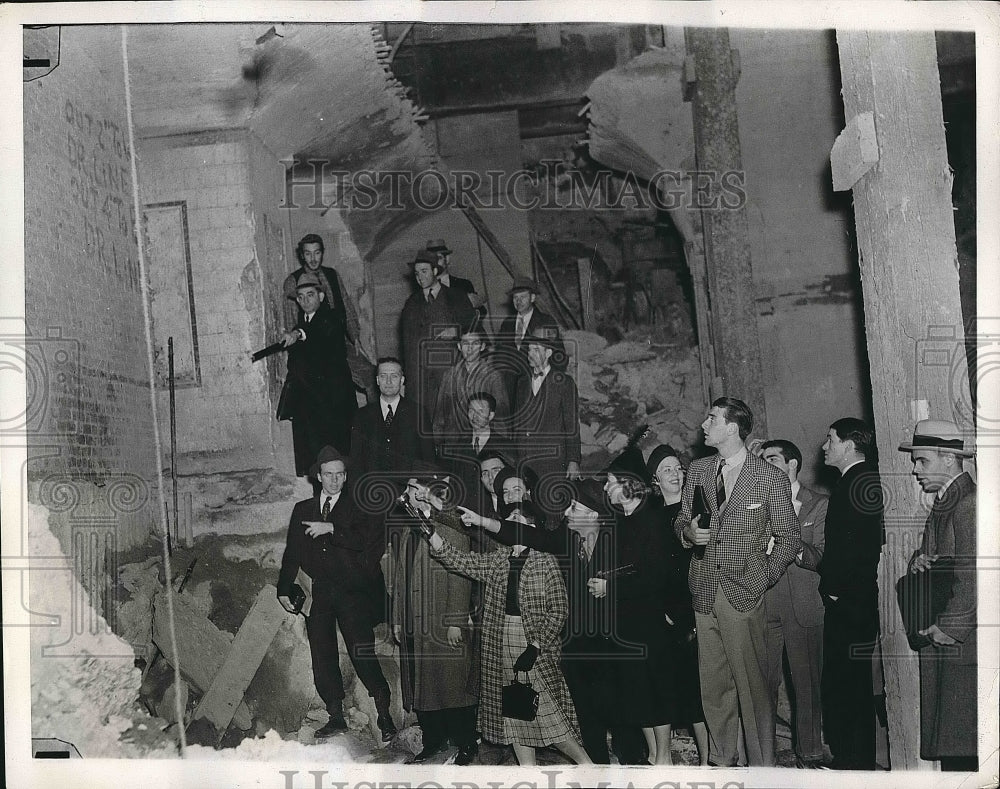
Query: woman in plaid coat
pixel 531 641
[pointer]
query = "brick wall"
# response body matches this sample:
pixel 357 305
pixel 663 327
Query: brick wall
pixel 89 408
pixel 225 421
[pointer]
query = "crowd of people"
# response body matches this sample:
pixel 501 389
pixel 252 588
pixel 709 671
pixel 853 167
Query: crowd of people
pixel 632 600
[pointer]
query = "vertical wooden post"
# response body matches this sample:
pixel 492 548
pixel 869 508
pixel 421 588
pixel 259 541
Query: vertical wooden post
pixel 583 269
pixel 726 230
pixel 913 317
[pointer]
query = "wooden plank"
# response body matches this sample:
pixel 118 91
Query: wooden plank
pixel 909 279
pixel 854 152
pixel 220 702
pixel 201 645
pixel 586 293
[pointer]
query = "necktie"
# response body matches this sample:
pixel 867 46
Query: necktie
pixel 475 444
pixel 388 416
pixel 326 508
pixel 308 318
pixel 430 296
pixel 720 486
pixel 520 330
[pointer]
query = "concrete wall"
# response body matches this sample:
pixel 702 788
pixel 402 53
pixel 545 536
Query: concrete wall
pixel 89 412
pixel 225 419
pixel 805 272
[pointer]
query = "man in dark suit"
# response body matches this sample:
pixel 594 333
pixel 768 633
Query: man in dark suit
pixel 437 246
pixel 385 435
pixel 948 676
pixel 511 354
pixel 849 585
pixel 318 395
pixel 309 252
pixel 337 546
pixel 545 425
pixel 429 327
pixel 795 611
pixel 749 504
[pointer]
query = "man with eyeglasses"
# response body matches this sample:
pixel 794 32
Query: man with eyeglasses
pixel 332 550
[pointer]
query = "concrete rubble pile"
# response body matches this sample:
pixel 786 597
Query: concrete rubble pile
pixel 631 383
pixel 84 686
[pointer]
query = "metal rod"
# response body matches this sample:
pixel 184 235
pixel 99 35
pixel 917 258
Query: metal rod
pixel 173 434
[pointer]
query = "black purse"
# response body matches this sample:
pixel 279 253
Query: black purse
pixel 922 597
pixel 519 700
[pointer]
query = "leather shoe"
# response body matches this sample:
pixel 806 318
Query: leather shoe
pixel 810 763
pixel 427 752
pixel 387 727
pixel 466 754
pixel 331 727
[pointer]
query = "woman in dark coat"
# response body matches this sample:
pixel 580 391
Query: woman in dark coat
pixel 666 472
pixel 646 692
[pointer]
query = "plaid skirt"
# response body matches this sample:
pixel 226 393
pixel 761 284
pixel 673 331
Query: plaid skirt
pixel 550 725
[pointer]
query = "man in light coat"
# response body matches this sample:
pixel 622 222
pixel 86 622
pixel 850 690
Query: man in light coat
pixel 948 706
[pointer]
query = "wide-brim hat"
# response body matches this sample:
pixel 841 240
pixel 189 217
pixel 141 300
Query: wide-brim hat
pixel 546 338
pixel 308 279
pixel 939 434
pixel 438 245
pixel 629 462
pixel 326 455
pixel 590 493
pixel 524 283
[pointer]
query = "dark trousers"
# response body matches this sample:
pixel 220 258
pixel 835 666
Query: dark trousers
pixel 850 633
pixel 353 615
pixel 590 679
pixel 457 724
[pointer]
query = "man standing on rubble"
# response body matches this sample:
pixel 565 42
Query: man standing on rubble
pixel 333 549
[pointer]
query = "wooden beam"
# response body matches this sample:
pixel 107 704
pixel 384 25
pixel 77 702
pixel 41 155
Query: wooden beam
pixel 726 229
pixel 909 279
pixel 855 152
pixel 221 700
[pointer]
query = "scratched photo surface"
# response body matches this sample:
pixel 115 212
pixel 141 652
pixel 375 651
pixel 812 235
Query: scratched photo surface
pixel 459 394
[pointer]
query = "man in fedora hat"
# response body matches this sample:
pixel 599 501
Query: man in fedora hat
pixel 429 325
pixel 310 251
pixel 338 546
pixel 545 423
pixel 848 585
pixel 438 246
pixel 511 353
pixel 318 394
pixel 948 708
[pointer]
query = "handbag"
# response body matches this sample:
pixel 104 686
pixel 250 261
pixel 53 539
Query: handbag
pixel 519 700
pixel 922 597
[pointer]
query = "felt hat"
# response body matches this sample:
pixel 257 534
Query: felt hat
pixel 657 456
pixel 629 462
pixel 939 434
pixel 326 455
pixel 524 283
pixel 438 246
pixel 307 280
pixel 423 256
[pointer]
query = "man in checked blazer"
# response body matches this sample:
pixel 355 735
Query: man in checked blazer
pixel 748 503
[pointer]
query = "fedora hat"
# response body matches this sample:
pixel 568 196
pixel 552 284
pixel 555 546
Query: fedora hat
pixel 423 256
pixel 438 245
pixel 308 280
pixel 939 434
pixel 326 455
pixel 524 283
